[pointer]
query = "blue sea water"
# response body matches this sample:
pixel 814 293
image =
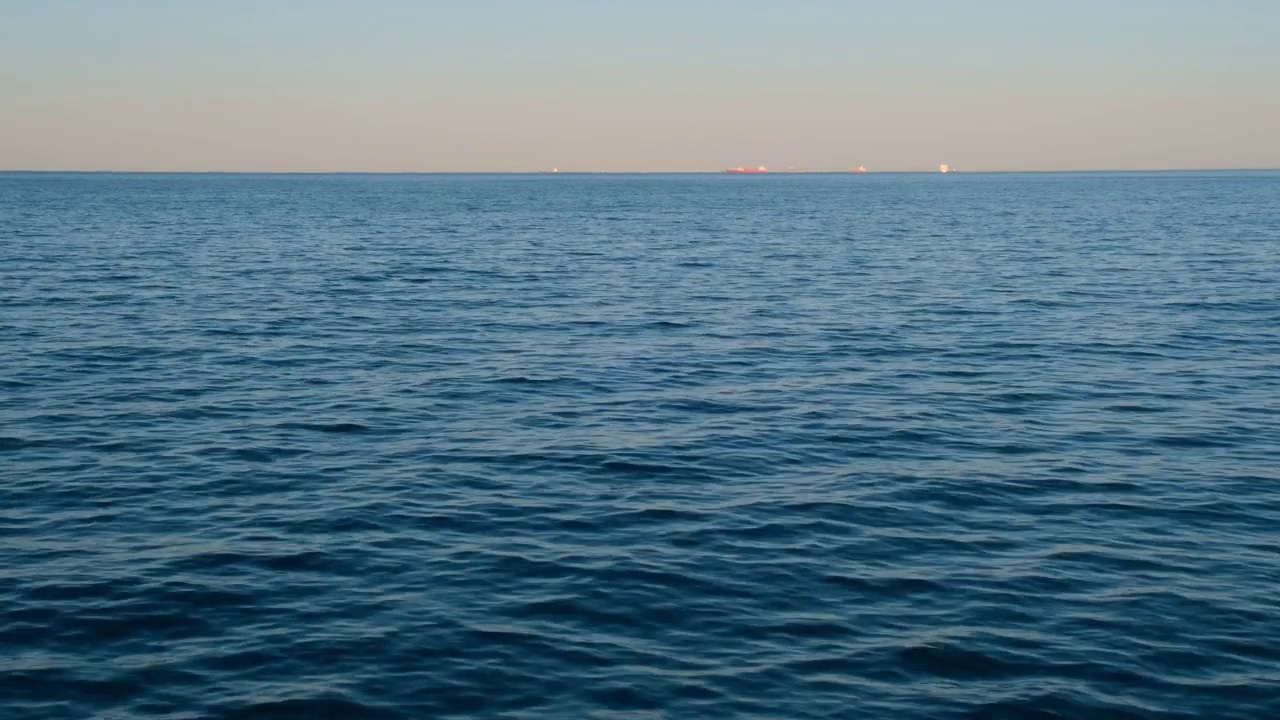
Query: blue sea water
pixel 621 447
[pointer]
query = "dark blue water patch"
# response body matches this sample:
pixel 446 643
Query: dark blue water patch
pixel 813 446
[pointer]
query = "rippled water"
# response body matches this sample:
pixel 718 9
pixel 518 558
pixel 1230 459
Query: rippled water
pixel 914 446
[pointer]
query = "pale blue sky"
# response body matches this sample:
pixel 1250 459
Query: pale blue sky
pixel 658 85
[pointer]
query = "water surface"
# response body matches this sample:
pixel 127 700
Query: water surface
pixel 815 446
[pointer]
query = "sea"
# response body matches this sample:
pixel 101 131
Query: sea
pixel 640 447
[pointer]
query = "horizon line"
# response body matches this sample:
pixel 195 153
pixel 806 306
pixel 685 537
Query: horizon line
pixel 53 171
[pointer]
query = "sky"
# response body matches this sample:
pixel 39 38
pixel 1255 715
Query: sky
pixel 621 85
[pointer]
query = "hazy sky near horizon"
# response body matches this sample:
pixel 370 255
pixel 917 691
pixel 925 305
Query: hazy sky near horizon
pixel 491 85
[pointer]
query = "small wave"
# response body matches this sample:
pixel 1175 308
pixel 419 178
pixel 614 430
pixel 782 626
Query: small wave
pixel 1195 441
pixel 338 428
pixel 310 708
pixel 9 443
pixel 887 586
pixel 253 454
pixel 527 380
pixel 953 662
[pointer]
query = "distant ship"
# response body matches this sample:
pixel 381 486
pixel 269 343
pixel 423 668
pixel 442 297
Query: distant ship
pixel 741 169
pixel 945 168
pixel 859 169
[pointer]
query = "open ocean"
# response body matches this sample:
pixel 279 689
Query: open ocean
pixel 780 447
